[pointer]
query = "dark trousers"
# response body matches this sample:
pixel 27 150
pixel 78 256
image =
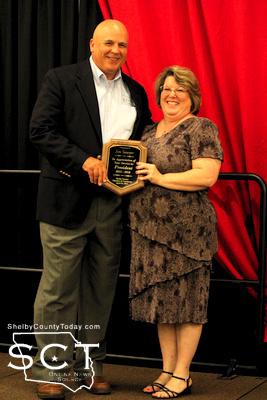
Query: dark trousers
pixel 77 287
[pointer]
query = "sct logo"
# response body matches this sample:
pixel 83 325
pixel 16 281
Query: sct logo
pixel 51 362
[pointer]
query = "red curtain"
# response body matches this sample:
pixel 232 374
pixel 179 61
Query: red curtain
pixel 225 44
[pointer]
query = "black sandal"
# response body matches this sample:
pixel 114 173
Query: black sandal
pixel 157 384
pixel 171 394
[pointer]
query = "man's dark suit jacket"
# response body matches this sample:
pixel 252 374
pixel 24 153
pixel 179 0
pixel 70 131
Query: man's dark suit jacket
pixel 65 127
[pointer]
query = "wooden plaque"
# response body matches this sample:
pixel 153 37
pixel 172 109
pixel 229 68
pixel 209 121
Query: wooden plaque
pixel 120 157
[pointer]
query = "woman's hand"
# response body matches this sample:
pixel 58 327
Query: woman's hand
pixel 148 172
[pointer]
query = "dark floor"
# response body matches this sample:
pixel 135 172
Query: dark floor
pixel 127 382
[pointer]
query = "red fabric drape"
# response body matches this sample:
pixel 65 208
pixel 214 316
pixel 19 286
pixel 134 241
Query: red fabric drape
pixel 225 44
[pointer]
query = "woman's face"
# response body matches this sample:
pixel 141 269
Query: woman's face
pixel 174 99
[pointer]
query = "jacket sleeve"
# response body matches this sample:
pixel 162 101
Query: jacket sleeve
pixel 48 131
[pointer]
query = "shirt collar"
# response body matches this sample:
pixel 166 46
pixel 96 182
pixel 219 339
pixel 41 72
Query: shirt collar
pixel 98 74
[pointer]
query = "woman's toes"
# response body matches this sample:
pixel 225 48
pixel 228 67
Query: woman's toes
pixel 148 389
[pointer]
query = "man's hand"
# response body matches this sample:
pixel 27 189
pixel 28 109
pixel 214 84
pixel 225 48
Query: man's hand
pixel 96 170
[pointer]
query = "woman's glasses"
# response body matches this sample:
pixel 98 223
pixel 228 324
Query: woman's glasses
pixel 167 90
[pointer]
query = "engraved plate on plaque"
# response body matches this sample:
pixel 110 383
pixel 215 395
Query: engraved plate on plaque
pixel 120 157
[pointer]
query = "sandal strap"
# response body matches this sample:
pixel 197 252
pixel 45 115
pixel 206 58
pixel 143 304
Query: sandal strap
pixel 156 384
pixel 166 372
pixel 186 380
pixel 171 393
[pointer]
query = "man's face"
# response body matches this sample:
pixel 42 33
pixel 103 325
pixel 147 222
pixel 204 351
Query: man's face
pixel 109 48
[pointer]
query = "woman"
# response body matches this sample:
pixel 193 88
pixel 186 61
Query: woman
pixel 173 228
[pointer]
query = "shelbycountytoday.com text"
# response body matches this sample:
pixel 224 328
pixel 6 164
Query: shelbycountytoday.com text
pixel 52 327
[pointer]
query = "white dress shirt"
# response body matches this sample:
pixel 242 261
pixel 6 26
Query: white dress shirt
pixel 117 112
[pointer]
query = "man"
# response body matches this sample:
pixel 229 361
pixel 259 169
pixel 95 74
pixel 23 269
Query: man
pixel 79 108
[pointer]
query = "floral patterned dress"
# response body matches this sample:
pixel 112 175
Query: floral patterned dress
pixel 173 232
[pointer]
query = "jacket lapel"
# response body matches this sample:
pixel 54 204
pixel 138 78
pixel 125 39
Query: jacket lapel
pixel 136 100
pixel 85 85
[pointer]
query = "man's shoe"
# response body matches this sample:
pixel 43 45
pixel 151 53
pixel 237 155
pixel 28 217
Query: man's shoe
pixel 50 391
pixel 100 385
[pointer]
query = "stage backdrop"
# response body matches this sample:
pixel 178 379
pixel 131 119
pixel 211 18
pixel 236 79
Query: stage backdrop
pixel 225 44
